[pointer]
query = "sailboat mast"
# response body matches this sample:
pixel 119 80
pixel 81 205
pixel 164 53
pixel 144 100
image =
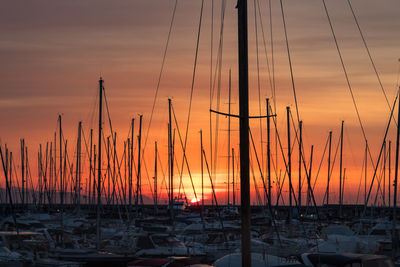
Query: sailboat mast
pixel 244 131
pixel 300 155
pixel 23 171
pixel 309 188
pixel 50 195
pixel 40 173
pixel 170 161
pixel 108 172
pixel 26 172
pixel 130 163
pixel 64 189
pixel 344 178
pixel 61 163
pixel 365 171
pixel 229 135
pixel 202 176
pixel 114 168
pixel 396 174
pixel 341 168
pixel 329 168
pixel 289 162
pixel 78 166
pixel 233 178
pixel 269 152
pixel 389 170
pixel 94 172
pixel 98 233
pixel 125 168
pixel 155 177
pixel 138 178
pixel 10 178
pixel 384 175
pixel 55 166
pixel 90 164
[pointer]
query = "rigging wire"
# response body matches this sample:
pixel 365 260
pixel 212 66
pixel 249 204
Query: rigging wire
pixel 192 89
pixel 380 154
pixel 332 167
pixel 112 134
pixel 320 164
pixel 290 62
pixel 347 77
pixel 194 71
pixel 381 172
pixel 211 75
pixel 184 160
pixel 265 49
pixel 258 197
pixel 160 74
pixel 379 187
pixel 369 55
pixel 361 178
pixel 273 76
pixel 258 83
pixel 214 194
pixel 217 79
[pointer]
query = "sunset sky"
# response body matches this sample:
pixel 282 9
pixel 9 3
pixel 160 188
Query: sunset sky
pixel 52 54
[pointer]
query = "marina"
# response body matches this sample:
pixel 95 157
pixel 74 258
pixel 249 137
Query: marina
pixel 241 165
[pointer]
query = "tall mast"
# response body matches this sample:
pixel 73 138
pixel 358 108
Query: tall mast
pixel 46 189
pixel 65 170
pixel 365 171
pixel 138 179
pixel 233 178
pixel 269 152
pixel 309 188
pixel 341 169
pixel 61 163
pixel 344 179
pixel 5 167
pixel 55 165
pixel 10 178
pixel 155 177
pixel 78 166
pixel 244 131
pixel 94 178
pixel 40 174
pixel 389 170
pixel 202 177
pixel 130 163
pixel 229 134
pixel 396 173
pixel 329 168
pixel 171 162
pixel 384 174
pixel 125 168
pixel 114 169
pixel 108 171
pixel 23 171
pixel 289 162
pixel 98 237
pixel 50 195
pixel 300 153
pixel 26 170
pixel 90 164
pixel 94 175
